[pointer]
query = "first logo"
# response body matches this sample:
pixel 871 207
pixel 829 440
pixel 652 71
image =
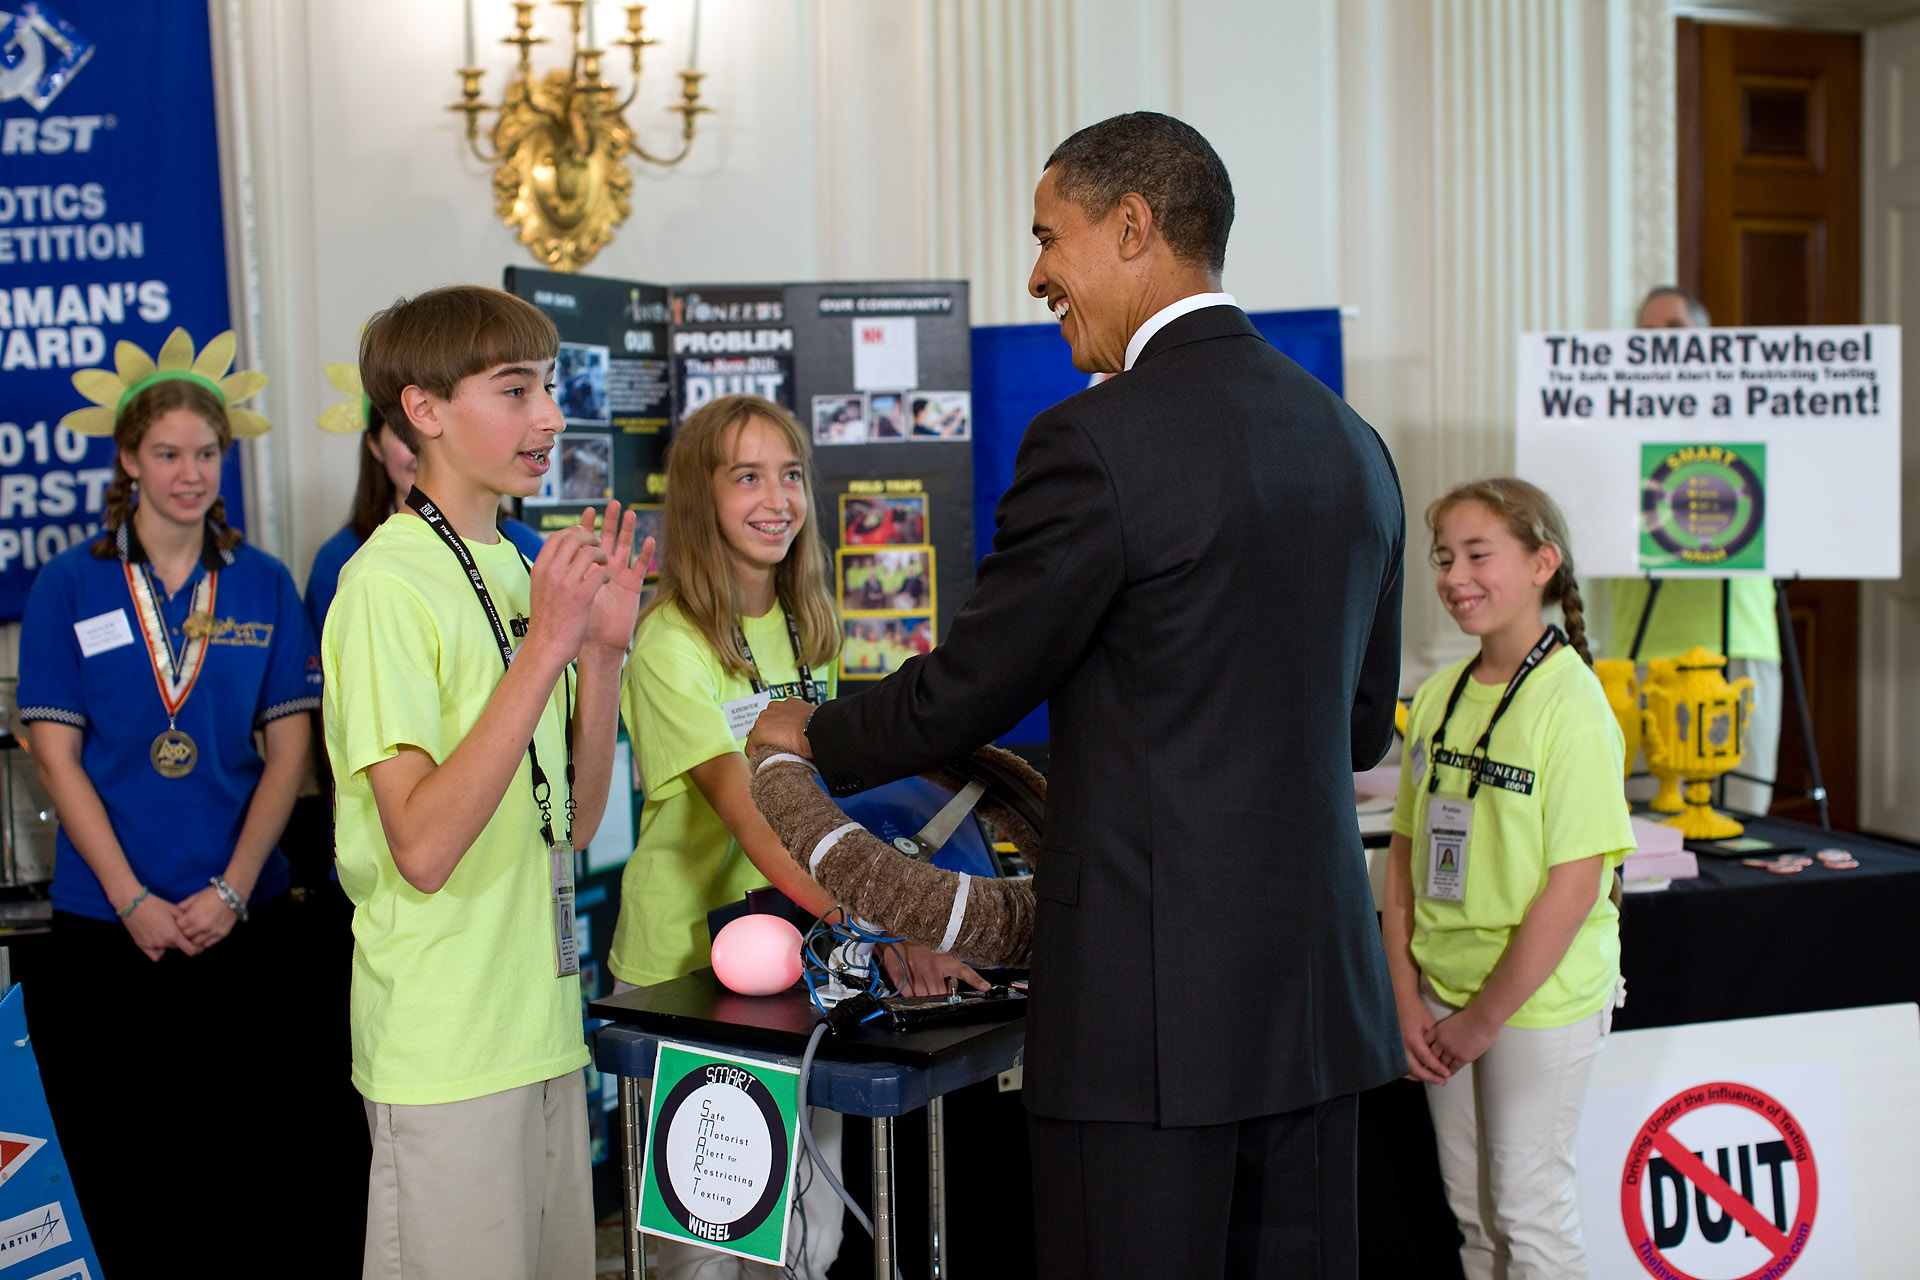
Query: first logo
pixel 40 52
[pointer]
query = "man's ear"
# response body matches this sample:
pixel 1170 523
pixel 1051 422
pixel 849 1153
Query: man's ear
pixel 422 410
pixel 1136 224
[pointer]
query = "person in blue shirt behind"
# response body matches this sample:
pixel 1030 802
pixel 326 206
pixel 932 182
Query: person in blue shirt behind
pixel 387 469
pixel 151 661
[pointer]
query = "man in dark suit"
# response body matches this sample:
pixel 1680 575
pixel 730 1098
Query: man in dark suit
pixel 1199 564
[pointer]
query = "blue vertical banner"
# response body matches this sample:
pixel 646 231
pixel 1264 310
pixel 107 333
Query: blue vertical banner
pixel 110 229
pixel 40 1220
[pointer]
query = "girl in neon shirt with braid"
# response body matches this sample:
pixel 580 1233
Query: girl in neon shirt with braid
pixel 1501 930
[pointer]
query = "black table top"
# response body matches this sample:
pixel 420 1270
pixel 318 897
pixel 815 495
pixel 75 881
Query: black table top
pixel 1745 942
pixel 1876 857
pixel 698 1007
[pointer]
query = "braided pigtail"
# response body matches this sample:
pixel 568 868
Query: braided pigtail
pixel 119 510
pixel 225 536
pixel 1572 609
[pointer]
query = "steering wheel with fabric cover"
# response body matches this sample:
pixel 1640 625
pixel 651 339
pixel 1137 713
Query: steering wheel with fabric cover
pixel 986 920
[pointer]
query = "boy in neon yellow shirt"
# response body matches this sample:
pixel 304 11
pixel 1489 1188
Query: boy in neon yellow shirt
pixel 463 689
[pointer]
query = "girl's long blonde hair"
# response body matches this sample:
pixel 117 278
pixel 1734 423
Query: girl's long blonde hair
pixel 1531 516
pixel 696 571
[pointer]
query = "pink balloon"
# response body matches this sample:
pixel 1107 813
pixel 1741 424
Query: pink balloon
pixel 757 955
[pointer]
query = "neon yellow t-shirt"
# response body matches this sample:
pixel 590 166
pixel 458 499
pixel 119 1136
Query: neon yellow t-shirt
pixel 1688 613
pixel 686 862
pixel 454 993
pixel 1557 799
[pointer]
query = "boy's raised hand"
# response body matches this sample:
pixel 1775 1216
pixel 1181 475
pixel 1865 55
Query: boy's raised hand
pixel 616 608
pixel 569 572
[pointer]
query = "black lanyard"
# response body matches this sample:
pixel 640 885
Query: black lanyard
pixel 542 791
pixel 807 688
pixel 1535 656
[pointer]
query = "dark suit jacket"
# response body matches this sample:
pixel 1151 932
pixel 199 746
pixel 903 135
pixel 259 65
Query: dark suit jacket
pixel 1199 563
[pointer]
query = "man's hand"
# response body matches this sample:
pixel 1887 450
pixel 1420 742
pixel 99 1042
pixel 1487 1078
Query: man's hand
pixel 916 971
pixel 616 606
pixel 784 725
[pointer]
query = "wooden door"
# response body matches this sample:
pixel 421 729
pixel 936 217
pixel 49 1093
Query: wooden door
pixel 1890 611
pixel 1769 197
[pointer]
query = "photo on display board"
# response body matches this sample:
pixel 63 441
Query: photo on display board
pixel 896 579
pixel 875 647
pixel 886 415
pixel 881 522
pixel 650 522
pixel 840 419
pixel 580 384
pixel 586 468
pixel 940 415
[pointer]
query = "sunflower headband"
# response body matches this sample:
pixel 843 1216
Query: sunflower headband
pixel 350 416
pixel 134 372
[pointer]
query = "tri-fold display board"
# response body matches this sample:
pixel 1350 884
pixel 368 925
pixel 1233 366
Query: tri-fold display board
pixel 880 375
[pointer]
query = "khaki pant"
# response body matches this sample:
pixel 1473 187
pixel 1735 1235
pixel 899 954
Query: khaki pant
pixel 1505 1127
pixel 492 1188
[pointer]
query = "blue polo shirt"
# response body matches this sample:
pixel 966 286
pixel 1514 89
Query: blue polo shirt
pixel 260 664
pixel 334 553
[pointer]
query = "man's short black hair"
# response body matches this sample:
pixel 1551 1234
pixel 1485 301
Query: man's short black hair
pixel 1168 163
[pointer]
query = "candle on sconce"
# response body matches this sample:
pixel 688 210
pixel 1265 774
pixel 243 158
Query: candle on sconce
pixel 693 45
pixel 469 14
pixel 590 40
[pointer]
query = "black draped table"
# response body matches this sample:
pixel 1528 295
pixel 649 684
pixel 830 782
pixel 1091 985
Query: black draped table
pixel 1736 942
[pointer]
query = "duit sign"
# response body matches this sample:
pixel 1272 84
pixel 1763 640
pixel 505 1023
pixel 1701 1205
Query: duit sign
pixel 1720 1182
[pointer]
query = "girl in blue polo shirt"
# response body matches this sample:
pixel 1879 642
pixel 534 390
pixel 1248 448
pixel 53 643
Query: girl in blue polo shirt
pixel 149 662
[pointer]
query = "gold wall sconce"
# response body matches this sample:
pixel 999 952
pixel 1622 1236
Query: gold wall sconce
pixel 560 141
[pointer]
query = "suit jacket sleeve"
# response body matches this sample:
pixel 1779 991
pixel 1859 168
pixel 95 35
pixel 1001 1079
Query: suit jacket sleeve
pixel 1057 564
pixel 1371 729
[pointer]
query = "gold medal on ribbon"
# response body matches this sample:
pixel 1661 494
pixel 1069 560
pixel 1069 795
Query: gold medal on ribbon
pixel 174 754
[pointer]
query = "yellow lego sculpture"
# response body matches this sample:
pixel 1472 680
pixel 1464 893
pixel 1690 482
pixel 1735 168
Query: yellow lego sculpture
pixel 1694 731
pixel 1623 695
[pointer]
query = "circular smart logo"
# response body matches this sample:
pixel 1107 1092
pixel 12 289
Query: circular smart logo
pixel 721 1148
pixel 1703 505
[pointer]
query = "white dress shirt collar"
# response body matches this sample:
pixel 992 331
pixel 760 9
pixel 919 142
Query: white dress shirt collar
pixel 1166 315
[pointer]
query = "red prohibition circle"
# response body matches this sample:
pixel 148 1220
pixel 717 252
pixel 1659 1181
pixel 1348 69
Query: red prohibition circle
pixel 1655 1138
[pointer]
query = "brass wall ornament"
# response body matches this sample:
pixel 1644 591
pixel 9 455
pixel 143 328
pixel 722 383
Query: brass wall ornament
pixel 560 142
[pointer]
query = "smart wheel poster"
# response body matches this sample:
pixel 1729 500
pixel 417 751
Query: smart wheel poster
pixel 1703 506
pixel 722 1141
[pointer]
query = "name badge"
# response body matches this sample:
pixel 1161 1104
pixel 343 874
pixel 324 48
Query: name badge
pixel 1449 823
pixel 102 632
pixel 566 949
pixel 742 712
